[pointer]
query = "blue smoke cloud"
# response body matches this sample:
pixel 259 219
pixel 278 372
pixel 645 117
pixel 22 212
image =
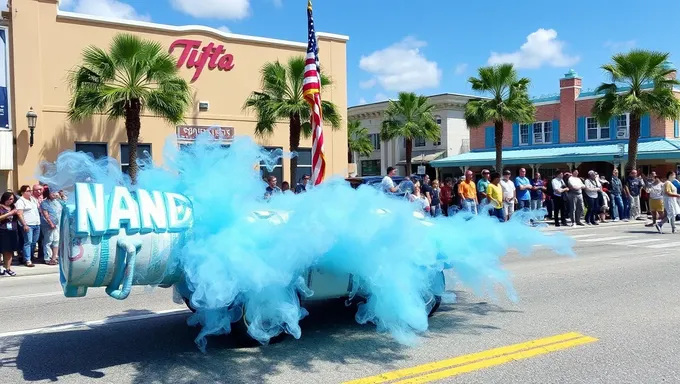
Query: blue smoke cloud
pixel 229 262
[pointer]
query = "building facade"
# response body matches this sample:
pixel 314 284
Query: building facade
pixel 449 109
pixel 43 44
pixel 565 135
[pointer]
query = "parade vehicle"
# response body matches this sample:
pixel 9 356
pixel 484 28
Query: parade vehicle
pixel 119 240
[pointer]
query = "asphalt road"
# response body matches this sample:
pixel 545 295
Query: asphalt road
pixel 622 289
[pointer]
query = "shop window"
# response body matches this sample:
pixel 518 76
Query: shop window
pixel 276 172
pixel 304 164
pixel 143 155
pixel 97 150
pixel 370 168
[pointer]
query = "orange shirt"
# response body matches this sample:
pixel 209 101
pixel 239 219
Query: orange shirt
pixel 467 189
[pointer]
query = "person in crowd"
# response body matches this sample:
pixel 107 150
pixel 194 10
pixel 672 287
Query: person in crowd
pixel 468 193
pixel 62 195
pixel 547 198
pixel 670 203
pixel 426 188
pixel 51 209
pixel 481 187
pixel 29 217
pixel 656 192
pixel 285 187
pixel 302 185
pixel 509 194
pixel 576 188
pixel 494 193
pixel 272 189
pixel 616 190
pixel 419 199
pixel 523 186
pixel 602 198
pixel 387 184
pixel 436 202
pixel 536 192
pixel 559 190
pixel 632 190
pixel 592 198
pixel 8 232
pixel 446 195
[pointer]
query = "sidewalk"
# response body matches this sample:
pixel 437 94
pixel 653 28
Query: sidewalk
pixel 39 269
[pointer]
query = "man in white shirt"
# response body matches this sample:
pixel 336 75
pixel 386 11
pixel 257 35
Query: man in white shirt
pixel 576 187
pixel 29 217
pixel 559 189
pixel 509 191
pixel 387 184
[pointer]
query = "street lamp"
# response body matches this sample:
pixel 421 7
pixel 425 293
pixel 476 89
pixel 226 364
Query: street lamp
pixel 31 116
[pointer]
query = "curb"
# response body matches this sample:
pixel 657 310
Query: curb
pixel 550 227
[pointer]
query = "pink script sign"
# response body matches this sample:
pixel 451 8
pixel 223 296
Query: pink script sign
pixel 190 132
pixel 213 55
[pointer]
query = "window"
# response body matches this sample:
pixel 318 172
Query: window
pixel 143 154
pixel 542 132
pixel 419 142
pixel 97 150
pixel 594 131
pixel 622 126
pixel 375 141
pixel 439 123
pixel 277 170
pixel 524 134
pixel 370 168
pixel 304 165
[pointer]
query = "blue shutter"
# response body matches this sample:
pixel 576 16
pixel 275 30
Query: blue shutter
pixel 613 123
pixel 676 129
pixel 645 126
pixel 531 134
pixel 515 135
pixel 489 137
pixel 581 129
pixel 556 131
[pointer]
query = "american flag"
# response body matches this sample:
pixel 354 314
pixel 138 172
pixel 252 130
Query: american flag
pixel 312 92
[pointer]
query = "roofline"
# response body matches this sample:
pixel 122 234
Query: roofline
pixel 80 17
pixel 439 95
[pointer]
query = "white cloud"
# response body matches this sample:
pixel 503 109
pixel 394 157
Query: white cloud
pixel 402 67
pixel 214 9
pixel 541 47
pixel 367 84
pixel 362 100
pixel 108 8
pixel 461 68
pixel 224 28
pixel 620 46
pixel 278 3
pixel 381 97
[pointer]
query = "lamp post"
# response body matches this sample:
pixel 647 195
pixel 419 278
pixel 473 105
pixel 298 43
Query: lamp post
pixel 32 117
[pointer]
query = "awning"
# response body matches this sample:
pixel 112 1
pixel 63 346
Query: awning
pixel 648 149
pixel 423 158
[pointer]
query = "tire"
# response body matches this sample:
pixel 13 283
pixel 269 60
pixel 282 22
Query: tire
pixel 435 307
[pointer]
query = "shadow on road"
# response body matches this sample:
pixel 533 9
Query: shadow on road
pixel 161 350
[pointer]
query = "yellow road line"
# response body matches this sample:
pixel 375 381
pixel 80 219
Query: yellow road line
pixel 465 359
pixel 497 361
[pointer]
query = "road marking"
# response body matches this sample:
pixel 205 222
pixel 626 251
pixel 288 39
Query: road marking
pixel 468 363
pixel 95 323
pixel 664 245
pixel 581 236
pixel 639 241
pixel 605 239
pixel 31 295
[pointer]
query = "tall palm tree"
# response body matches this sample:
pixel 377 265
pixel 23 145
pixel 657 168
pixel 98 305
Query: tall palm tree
pixel 358 140
pixel 134 76
pixel 410 117
pixel 281 98
pixel 640 84
pixel 508 101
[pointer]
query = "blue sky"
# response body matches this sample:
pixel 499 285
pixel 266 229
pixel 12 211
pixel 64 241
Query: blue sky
pixel 403 45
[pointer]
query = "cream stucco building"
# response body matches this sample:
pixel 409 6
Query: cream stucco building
pixel 455 136
pixel 42 44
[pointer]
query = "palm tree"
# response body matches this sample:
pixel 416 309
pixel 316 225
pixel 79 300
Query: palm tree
pixel 509 101
pixel 358 140
pixel 645 86
pixel 133 77
pixel 281 98
pixel 410 117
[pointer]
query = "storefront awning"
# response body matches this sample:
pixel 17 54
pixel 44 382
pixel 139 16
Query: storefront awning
pixel 424 158
pixel 648 149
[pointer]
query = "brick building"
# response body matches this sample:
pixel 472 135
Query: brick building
pixel 565 135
